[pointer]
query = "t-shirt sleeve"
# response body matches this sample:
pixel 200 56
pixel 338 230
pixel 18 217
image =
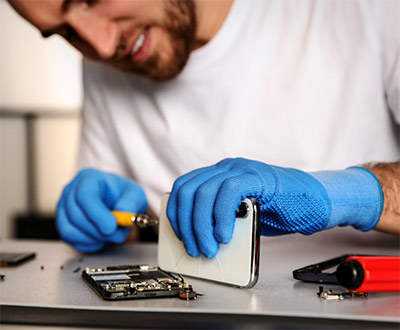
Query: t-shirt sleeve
pixel 390 38
pixel 98 147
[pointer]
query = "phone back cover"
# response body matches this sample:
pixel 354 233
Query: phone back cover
pixel 231 265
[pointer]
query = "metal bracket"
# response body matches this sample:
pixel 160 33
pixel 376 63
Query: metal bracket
pixel 330 295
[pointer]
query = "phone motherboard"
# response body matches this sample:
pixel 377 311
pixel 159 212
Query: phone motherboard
pixel 136 281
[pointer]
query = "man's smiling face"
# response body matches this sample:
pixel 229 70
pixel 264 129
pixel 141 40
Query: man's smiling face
pixel 149 37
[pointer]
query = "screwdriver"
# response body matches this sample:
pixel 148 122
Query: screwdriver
pixel 127 219
pixel 370 273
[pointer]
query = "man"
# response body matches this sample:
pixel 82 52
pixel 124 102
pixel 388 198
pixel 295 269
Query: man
pixel 178 85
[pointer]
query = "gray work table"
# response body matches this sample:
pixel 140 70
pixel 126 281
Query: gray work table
pixel 57 295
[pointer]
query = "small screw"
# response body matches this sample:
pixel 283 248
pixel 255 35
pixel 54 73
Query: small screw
pixel 42 267
pixel 77 269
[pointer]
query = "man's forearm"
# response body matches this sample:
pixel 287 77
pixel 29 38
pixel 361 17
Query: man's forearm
pixel 388 175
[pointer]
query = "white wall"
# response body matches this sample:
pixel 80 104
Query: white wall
pixel 36 74
pixel 41 76
pixel 56 141
pixel 13 176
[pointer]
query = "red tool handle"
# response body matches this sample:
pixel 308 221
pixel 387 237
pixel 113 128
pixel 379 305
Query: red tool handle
pixel 370 274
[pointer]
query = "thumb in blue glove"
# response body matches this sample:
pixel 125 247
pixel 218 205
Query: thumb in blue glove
pixel 84 218
pixel 203 203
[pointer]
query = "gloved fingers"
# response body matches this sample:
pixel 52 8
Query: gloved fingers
pixel 76 216
pixel 68 232
pixel 88 248
pixel 172 206
pixel 185 202
pixel 88 196
pixel 120 235
pixel 132 199
pixel 203 212
pixel 79 220
pixel 267 230
pixel 232 191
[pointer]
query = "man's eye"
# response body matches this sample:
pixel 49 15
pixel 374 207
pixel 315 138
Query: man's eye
pixel 91 2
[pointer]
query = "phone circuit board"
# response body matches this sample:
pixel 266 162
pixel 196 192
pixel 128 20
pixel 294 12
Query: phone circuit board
pixel 135 282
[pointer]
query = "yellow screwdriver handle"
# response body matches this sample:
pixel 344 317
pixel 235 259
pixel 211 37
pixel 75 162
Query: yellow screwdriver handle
pixel 124 219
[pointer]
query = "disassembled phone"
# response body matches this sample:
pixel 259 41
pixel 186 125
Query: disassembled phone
pixel 10 259
pixel 236 263
pixel 136 282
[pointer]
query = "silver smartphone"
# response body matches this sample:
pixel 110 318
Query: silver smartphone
pixel 236 263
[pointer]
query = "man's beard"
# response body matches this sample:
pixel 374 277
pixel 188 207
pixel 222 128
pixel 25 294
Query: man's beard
pixel 180 26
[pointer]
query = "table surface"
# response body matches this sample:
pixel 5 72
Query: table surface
pixel 57 295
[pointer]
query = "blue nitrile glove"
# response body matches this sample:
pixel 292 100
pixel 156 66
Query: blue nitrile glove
pixel 84 219
pixel 203 203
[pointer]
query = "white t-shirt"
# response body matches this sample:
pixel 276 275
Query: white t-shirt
pixel 313 85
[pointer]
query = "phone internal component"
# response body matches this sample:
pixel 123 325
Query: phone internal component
pixel 15 258
pixel 136 281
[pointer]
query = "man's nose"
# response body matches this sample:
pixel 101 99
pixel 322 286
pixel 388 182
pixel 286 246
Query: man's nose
pixel 99 32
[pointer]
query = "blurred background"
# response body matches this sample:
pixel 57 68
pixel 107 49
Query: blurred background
pixel 40 105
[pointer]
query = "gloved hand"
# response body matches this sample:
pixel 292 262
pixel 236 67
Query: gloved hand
pixel 84 219
pixel 203 203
